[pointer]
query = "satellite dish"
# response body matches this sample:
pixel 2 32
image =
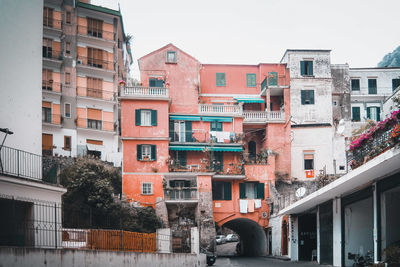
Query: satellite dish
pixel 300 192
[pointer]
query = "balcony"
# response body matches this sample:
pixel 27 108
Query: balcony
pixel 375 141
pixel 274 81
pixel 180 194
pixel 145 92
pixel 204 165
pixel 20 163
pixel 220 109
pixel 51 54
pixel 50 86
pixel 96 33
pixel 50 118
pixel 92 124
pixel 263 116
pixel 52 23
pixel 95 93
pixel 95 63
pixel 205 137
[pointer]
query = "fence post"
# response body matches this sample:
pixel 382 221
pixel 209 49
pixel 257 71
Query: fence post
pixel 142 242
pixel 122 240
pixel 18 162
pixel 55 222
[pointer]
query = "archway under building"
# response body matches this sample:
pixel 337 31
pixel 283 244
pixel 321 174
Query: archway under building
pixel 252 236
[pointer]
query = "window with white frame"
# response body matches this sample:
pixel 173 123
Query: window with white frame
pixel 147 188
pixel 145 118
pixel 308 161
pixel 146 151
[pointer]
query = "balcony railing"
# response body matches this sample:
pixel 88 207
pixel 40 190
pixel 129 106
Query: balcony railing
pixel 203 136
pixel 52 23
pixel 95 63
pixel 52 54
pixel 220 109
pixel 180 194
pixel 141 91
pixel 51 86
pixel 50 117
pixel 263 116
pixel 20 163
pixel 274 82
pixel 94 93
pixel 204 165
pixel 101 34
pixel 95 124
pixel 377 140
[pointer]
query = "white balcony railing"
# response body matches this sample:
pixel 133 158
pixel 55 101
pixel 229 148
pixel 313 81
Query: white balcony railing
pixel 141 91
pixel 263 116
pixel 220 109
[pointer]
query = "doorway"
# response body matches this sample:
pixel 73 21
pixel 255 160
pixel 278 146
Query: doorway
pixel 307 237
pixel 252 151
pixel 284 237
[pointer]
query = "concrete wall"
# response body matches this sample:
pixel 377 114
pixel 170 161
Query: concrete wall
pixel 21 65
pixel 275 222
pixel 26 257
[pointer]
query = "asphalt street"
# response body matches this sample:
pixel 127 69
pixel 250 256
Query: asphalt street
pixel 258 261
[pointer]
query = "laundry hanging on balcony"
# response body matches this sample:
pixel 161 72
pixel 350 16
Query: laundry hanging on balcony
pixel 243 203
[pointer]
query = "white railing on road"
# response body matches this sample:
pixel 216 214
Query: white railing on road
pixel 142 91
pixel 220 109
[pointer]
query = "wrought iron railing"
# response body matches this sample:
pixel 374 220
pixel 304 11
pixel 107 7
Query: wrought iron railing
pixel 52 23
pixel 98 33
pixel 180 194
pixel 50 117
pixel 95 62
pixel 94 93
pixel 51 86
pixel 52 54
pixel 19 163
pixel 95 124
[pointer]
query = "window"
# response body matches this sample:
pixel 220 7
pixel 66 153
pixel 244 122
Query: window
pixel 47 48
pixel 251 190
pixel 251 80
pixel 48 17
pixel 146 152
pixel 154 82
pixel 68 48
pixel 68 17
pixel 94 87
pixel 355 84
pixel 180 158
pixel 147 188
pixel 94 124
pixel 306 68
pixel 145 117
pixel 216 126
pixel 395 83
pixel 373 113
pixel 355 111
pixel 95 27
pixel 307 97
pixel 67 143
pixel 171 57
pixel 272 78
pixel 181 131
pixel 372 86
pixel 47 79
pixel 308 161
pixel 220 79
pixel 67 110
pixel 222 191
pixel 94 120
pixel 46 114
pixel 217 163
pixel 95 57
pixel 67 78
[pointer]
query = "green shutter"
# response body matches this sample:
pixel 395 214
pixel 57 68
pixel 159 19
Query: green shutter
pixel 302 67
pixel 356 113
pixel 227 191
pixel 372 86
pixel 153 117
pixel 171 131
pixel 303 97
pixel 311 96
pixel 310 68
pixel 152 82
pixel 260 190
pixel 242 190
pixel 137 117
pixel 172 183
pixel 369 113
pixel 272 78
pixel 153 152
pixel 378 114
pixel 220 79
pixel 182 158
pixel 219 126
pixel 188 131
pixel 139 152
pixel 251 80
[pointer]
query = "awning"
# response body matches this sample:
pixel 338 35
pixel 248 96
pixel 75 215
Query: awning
pixel 92 147
pixel 221 119
pixel 225 149
pixel 187 148
pixel 249 100
pixel 184 118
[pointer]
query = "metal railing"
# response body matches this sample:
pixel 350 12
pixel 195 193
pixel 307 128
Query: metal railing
pixel 274 82
pixel 52 54
pixel 180 194
pixel 220 109
pixel 263 116
pixel 101 34
pixel 52 118
pixel 52 23
pixel 95 124
pixel 203 136
pixel 20 163
pixel 95 63
pixel 94 93
pixel 51 86
pixel 142 91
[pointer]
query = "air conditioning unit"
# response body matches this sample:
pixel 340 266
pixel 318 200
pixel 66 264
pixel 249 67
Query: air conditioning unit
pixel 79 61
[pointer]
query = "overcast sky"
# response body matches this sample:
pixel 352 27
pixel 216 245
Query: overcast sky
pixel 359 32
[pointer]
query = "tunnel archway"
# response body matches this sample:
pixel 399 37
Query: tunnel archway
pixel 252 236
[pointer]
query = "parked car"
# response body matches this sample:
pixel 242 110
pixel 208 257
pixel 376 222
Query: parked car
pixel 232 238
pixel 220 239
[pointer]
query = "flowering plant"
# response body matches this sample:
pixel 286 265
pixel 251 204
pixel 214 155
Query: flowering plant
pixel 122 83
pixel 395 133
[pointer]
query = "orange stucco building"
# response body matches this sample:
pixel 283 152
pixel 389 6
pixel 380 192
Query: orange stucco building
pixel 202 143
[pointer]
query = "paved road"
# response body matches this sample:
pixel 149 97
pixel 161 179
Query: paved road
pixel 227 249
pixel 258 261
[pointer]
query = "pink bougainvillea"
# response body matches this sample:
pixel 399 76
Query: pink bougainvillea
pixel 368 135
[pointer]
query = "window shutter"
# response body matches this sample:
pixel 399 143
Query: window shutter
pixel 303 97
pixel 139 152
pixel 171 131
pixel 260 190
pixel 153 152
pixel 302 67
pixel 182 158
pixel 219 126
pixel 369 113
pixel 186 183
pixel 242 190
pixel 356 113
pixel 188 131
pixel 137 117
pixel 153 117
pixel 227 191
pixel 172 183
pixel 311 96
pixel 152 83
pixel 378 114
pixel 310 68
